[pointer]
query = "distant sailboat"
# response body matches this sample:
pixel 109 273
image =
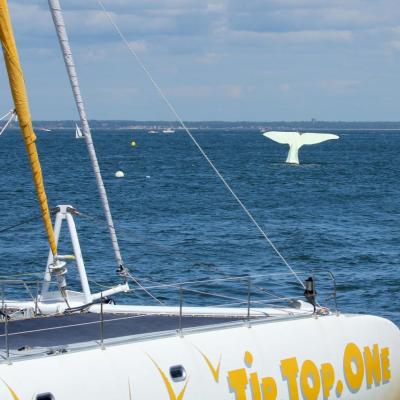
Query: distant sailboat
pixel 78 132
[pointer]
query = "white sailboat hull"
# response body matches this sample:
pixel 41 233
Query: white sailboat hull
pixel 330 357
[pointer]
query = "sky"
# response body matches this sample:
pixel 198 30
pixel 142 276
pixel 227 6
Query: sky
pixel 258 60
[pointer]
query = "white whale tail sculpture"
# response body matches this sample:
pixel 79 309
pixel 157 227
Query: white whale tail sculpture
pixel 295 140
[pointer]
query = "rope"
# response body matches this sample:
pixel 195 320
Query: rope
pixel 179 119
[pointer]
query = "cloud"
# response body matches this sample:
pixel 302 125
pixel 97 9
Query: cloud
pixel 210 58
pixel 126 94
pixel 293 37
pixel 393 45
pixel 225 91
pixel 139 46
pixel 216 22
pixel 285 87
pixel 297 15
pixel 30 19
pixel 228 49
pixel 138 20
pixel 339 86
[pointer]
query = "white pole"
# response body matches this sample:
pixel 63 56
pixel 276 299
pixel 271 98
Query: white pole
pixel 58 19
pixel 78 257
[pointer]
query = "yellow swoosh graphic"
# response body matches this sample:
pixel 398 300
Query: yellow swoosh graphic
pixel 214 370
pixel 168 385
pixel 13 394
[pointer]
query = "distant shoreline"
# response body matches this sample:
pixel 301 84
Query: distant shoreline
pixel 313 125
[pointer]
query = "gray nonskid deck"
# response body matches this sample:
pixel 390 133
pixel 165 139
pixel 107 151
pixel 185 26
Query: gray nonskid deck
pixel 61 331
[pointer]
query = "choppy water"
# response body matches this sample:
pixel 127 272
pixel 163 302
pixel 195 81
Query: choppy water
pixel 338 210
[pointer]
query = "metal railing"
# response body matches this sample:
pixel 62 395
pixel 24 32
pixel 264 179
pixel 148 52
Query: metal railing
pixel 271 286
pixel 253 297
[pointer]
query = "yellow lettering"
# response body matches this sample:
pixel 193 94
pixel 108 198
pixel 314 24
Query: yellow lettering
pixel 289 370
pixel 327 378
pixel 353 358
pixel 310 381
pixel 386 374
pixel 255 386
pixel 372 365
pixel 248 359
pixel 269 389
pixel 237 382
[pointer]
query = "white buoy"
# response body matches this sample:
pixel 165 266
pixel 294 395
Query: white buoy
pixel 119 174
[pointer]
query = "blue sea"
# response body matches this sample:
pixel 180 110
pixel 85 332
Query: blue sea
pixel 338 210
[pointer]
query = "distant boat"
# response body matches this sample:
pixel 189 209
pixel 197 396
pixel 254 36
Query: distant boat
pixel 44 130
pixel 78 132
pixel 152 131
pixel 168 130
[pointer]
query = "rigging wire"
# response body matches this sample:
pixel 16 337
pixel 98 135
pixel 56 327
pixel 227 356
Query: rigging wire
pixel 137 281
pixel 164 248
pixel 174 252
pixel 186 129
pixel 25 221
pixel 147 291
pixel 12 115
pixel 6 115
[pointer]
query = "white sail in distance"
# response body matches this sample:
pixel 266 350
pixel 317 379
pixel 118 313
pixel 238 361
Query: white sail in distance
pixel 78 132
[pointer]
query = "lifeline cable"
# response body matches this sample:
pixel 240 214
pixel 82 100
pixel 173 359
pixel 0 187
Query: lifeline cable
pixel 185 128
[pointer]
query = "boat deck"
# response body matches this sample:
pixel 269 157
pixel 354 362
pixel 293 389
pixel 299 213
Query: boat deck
pixel 61 331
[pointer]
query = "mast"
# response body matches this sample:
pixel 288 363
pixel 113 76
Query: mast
pixel 18 90
pixel 59 24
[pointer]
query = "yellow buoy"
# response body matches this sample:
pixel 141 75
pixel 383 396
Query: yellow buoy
pixel 133 143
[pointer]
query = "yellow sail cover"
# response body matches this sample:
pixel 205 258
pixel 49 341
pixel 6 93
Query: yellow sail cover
pixel 20 97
